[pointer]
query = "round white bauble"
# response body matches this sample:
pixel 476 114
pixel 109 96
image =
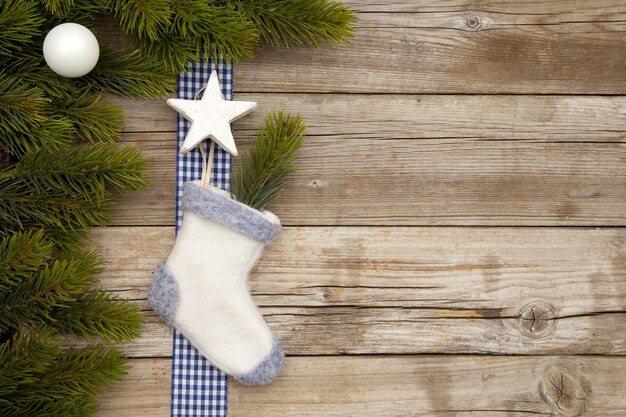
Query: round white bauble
pixel 71 50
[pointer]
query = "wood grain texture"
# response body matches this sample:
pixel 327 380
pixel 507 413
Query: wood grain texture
pixel 413 290
pixel 429 124
pixel 395 116
pixel 402 386
pixel 386 181
pixel 494 47
pixel 535 10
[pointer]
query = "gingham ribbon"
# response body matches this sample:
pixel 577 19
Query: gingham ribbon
pixel 198 388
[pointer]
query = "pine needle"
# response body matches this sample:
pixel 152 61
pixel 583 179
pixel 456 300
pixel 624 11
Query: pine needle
pixel 67 192
pixel 38 290
pixel 299 22
pixel 143 18
pixel 22 255
pixel 20 22
pixel 58 8
pixel 214 30
pixel 22 107
pixel 98 313
pixel 39 379
pixel 92 118
pixel 259 178
pixel 55 133
pixel 131 74
pixel 55 286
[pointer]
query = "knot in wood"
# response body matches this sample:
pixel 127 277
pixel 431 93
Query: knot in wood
pixel 317 184
pixel 473 22
pixel 565 390
pixel 537 319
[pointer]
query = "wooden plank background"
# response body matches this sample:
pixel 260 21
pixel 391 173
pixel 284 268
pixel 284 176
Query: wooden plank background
pixel 454 241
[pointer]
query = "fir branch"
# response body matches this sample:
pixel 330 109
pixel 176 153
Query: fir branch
pixel 55 133
pixel 263 169
pixel 173 52
pixel 85 12
pixel 93 119
pixel 142 18
pixel 98 313
pixel 214 30
pixel 55 286
pixel 66 216
pixel 65 241
pixel 66 192
pixel 58 8
pixel 20 22
pixel 299 22
pixel 23 358
pixel 85 170
pixel 21 106
pixel 133 74
pixel 21 255
pixel 38 75
pixel 39 379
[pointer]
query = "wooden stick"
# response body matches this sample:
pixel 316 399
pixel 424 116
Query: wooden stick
pixel 204 162
pixel 209 166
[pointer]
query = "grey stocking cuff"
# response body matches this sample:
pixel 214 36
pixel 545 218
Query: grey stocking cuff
pixel 228 212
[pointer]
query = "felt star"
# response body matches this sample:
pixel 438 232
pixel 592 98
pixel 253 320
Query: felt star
pixel 211 116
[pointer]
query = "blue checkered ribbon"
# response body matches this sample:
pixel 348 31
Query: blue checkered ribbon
pixel 198 388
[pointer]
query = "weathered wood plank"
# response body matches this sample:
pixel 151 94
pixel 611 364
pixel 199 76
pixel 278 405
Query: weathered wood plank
pixel 413 290
pixel 402 386
pixel 470 15
pixel 155 204
pixel 386 181
pixel 390 116
pixel 525 47
pixel 412 330
pixel 535 10
pixel 145 391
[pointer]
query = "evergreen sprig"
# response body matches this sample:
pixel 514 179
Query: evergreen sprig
pixel 21 106
pixel 40 379
pixel 129 74
pixel 21 255
pixel 299 22
pixel 97 313
pixel 170 34
pixel 19 24
pixel 92 118
pixel 259 178
pixel 142 18
pixel 55 133
pixel 58 8
pixel 38 288
pixel 67 192
pixel 54 286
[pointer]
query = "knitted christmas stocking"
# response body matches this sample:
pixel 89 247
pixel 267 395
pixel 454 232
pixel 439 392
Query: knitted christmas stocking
pixel 202 289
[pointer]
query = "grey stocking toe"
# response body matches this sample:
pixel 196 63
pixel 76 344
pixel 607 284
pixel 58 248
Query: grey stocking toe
pixel 267 370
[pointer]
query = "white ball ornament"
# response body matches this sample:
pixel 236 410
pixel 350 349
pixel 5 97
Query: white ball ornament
pixel 71 50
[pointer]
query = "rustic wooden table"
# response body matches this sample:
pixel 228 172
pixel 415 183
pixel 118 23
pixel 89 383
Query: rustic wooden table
pixel 454 241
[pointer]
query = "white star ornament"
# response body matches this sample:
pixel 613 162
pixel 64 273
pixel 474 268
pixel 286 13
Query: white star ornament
pixel 210 117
